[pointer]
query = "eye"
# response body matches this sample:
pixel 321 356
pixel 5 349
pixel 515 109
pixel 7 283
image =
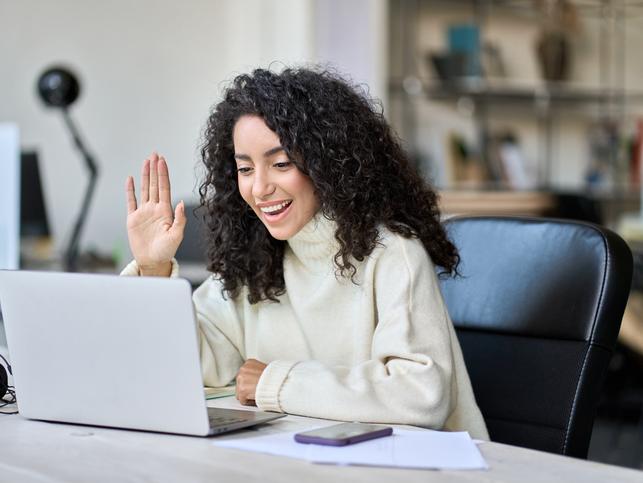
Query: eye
pixel 244 170
pixel 283 164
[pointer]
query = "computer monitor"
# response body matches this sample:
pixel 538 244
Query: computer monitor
pixel 33 215
pixel 192 253
pixel 193 248
pixel 9 196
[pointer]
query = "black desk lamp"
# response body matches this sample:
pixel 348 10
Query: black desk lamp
pixel 59 88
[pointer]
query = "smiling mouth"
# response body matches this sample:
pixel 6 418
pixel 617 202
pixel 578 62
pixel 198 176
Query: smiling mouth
pixel 278 211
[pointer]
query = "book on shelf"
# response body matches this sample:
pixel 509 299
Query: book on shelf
pixel 513 164
pixel 504 164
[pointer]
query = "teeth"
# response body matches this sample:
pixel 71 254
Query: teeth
pixel 273 208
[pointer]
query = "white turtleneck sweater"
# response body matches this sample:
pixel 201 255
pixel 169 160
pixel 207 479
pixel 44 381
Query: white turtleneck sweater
pixel 381 351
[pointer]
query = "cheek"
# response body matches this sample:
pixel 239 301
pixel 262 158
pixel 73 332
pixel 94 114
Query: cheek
pixel 245 189
pixel 311 198
pixel 308 205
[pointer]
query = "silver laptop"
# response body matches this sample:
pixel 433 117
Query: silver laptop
pixel 112 351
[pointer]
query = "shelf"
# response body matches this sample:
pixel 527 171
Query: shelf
pixel 505 91
pixel 587 7
pixel 527 203
pixel 527 8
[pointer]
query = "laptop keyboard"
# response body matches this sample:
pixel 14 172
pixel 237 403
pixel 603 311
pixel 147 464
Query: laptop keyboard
pixel 223 420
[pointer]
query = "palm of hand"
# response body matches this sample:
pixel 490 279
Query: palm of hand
pixel 151 238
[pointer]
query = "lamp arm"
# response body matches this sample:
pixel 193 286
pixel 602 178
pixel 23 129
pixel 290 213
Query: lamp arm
pixel 71 254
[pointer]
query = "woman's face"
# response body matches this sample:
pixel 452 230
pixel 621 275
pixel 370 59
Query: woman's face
pixel 282 196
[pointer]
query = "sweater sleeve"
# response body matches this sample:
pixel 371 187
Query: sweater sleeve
pixel 220 334
pixel 409 378
pixel 131 269
pixel 219 330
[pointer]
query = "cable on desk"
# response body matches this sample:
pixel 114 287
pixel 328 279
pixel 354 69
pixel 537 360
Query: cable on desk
pixel 11 393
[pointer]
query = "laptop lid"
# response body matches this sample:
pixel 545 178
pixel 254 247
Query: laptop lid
pixel 104 350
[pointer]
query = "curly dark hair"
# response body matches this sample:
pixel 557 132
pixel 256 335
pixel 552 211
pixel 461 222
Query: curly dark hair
pixel 335 134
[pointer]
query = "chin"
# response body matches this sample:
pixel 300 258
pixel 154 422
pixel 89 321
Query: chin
pixel 281 234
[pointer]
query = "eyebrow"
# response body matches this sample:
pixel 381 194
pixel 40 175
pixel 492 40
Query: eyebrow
pixel 270 152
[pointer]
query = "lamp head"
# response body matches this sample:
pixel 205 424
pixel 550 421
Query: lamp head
pixel 58 87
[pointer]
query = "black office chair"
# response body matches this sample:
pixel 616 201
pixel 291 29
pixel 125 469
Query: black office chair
pixel 537 311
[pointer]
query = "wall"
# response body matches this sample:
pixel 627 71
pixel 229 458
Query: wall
pixel 353 35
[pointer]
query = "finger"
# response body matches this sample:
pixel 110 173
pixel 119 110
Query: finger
pixel 180 220
pixel 131 196
pixel 164 182
pixel 145 181
pixel 242 397
pixel 154 179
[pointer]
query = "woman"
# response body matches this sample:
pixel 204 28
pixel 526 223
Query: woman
pixel 322 240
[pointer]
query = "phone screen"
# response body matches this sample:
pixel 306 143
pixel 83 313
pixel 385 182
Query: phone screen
pixel 343 434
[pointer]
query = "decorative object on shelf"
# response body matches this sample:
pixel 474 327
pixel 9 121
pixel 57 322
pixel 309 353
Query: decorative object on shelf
pixel 554 56
pixel 465 167
pixel 493 64
pixel 454 66
pixel 448 66
pixel 604 147
pixel 516 172
pixel 636 154
pixel 59 88
pixel 464 39
pixel 554 48
pixel 462 59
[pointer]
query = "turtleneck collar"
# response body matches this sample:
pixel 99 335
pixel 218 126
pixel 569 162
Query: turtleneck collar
pixel 314 245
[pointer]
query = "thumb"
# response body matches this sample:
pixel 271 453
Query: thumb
pixel 179 219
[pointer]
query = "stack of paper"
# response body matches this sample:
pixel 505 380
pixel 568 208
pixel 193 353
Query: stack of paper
pixel 405 449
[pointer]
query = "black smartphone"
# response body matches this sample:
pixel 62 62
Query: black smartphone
pixel 343 434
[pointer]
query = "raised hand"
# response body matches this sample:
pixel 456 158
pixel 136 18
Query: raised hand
pixel 154 230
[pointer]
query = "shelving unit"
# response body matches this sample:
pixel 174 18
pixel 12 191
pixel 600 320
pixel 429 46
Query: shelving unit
pixel 533 100
pixel 501 91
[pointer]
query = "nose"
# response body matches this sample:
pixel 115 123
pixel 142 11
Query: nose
pixel 262 185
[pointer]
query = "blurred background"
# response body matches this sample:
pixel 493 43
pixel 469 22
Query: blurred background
pixel 509 107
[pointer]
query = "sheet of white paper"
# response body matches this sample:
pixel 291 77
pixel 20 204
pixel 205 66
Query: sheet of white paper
pixel 281 444
pixel 405 449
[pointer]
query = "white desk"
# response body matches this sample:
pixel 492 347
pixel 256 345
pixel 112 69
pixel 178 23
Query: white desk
pixel 33 451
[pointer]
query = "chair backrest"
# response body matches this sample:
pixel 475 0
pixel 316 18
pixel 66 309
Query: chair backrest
pixel 537 311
